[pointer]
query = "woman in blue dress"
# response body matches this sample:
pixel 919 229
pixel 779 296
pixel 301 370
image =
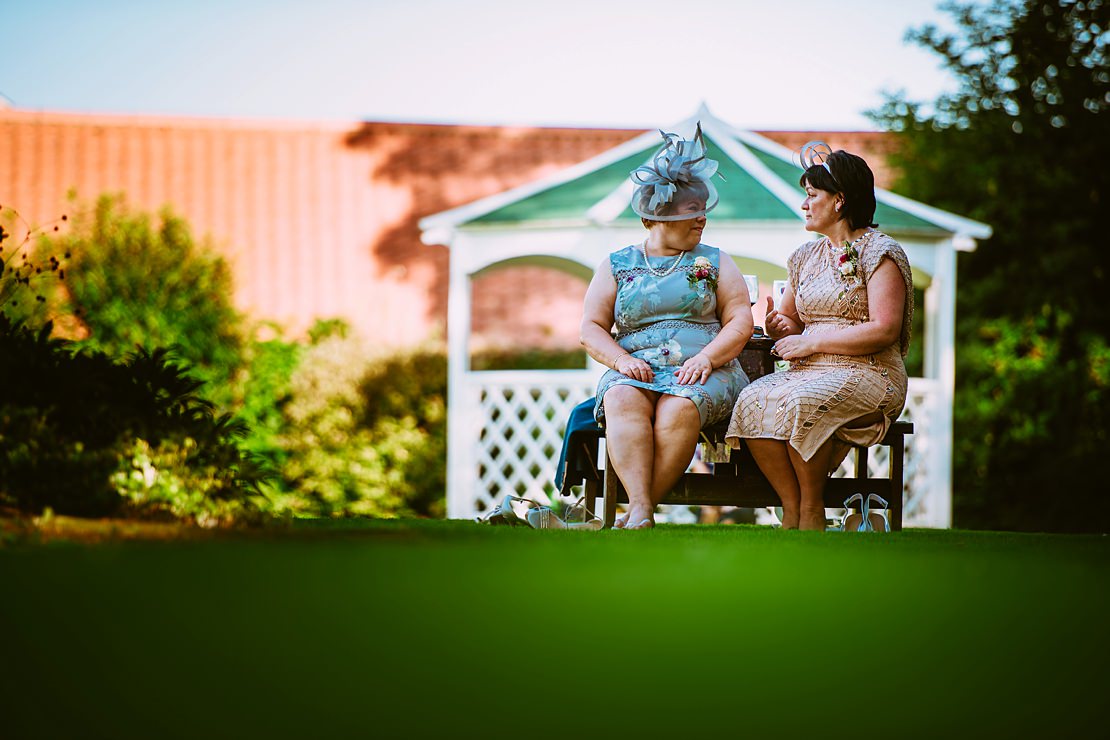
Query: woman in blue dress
pixel 682 315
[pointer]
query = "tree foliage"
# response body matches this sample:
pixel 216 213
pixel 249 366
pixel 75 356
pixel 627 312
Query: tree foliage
pixel 1021 144
pixel 365 434
pixel 85 434
pixel 133 282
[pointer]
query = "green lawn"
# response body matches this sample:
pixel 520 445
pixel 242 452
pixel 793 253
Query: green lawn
pixel 405 629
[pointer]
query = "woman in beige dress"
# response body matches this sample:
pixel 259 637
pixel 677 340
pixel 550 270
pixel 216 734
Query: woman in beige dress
pixel 844 324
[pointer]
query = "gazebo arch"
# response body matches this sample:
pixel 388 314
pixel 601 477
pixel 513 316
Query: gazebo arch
pixel 505 427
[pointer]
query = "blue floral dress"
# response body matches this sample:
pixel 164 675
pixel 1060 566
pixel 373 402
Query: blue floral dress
pixel 666 321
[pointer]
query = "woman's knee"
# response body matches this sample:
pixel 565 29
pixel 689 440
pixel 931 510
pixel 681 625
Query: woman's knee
pixel 628 401
pixel 677 413
pixel 865 421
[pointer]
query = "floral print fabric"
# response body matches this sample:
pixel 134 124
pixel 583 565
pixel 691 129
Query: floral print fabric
pixel 667 320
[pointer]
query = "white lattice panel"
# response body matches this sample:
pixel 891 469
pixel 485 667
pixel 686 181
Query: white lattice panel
pixel 522 422
pixel 521 416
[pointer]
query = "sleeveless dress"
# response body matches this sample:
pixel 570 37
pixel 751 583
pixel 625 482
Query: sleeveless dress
pixel 665 321
pixel 819 395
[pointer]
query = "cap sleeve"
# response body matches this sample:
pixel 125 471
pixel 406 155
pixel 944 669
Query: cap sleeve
pixel 883 247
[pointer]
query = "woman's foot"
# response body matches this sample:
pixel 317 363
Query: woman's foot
pixel 640 517
pixel 790 518
pixel 812 519
pixel 621 523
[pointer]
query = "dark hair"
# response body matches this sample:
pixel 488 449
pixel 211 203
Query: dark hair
pixel 852 178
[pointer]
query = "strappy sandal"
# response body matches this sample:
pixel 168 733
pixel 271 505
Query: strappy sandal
pixel 544 518
pixel 877 518
pixel 853 521
pixel 504 515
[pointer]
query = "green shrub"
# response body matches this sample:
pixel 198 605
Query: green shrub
pixel 72 418
pixel 261 391
pixel 1026 386
pixel 175 478
pixel 529 359
pixel 132 282
pixel 366 434
pixel 26 278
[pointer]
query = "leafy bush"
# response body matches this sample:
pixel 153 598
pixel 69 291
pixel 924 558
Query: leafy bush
pixel 366 434
pixel 529 359
pixel 131 282
pixel 1016 474
pixel 69 416
pixel 25 279
pixel 261 391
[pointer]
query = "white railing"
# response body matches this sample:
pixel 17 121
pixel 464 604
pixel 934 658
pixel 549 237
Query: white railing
pixel 519 417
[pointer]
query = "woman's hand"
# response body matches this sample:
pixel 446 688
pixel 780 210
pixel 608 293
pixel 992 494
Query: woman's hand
pixel 634 368
pixel 779 325
pixel 697 369
pixel 794 347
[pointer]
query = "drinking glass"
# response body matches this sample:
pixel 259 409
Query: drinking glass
pixel 753 287
pixel 777 289
pixel 752 282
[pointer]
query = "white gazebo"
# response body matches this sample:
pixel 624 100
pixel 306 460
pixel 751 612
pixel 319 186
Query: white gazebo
pixel 505 428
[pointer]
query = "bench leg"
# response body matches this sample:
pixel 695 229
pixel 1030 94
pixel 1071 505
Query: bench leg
pixel 612 486
pixel 589 495
pixel 897 450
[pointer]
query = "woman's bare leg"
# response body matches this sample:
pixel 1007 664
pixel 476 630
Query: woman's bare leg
pixel 676 428
pixel 629 439
pixel 774 461
pixel 812 476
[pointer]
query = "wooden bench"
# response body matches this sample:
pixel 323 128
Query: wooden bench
pixel 738 482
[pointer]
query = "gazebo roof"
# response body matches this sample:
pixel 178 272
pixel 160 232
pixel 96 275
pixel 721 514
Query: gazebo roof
pixel 760 186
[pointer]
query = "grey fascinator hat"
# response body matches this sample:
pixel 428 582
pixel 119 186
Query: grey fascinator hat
pixel 679 173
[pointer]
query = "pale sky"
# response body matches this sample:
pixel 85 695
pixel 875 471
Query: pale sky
pixel 761 65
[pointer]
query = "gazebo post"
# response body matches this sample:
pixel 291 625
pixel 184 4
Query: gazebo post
pixel 462 415
pixel 944 283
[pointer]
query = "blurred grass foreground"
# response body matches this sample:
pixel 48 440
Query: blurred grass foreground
pixel 411 628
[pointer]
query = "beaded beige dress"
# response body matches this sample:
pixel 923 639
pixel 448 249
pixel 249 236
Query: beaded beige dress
pixel 818 397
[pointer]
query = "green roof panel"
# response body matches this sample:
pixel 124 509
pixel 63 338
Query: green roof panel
pixel 569 200
pixel 888 217
pixel 742 197
pixel 893 219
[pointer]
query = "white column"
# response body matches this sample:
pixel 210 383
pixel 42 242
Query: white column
pixel 461 415
pixel 944 351
pixel 932 348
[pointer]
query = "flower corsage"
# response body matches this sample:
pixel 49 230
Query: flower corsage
pixel 703 270
pixel 848 263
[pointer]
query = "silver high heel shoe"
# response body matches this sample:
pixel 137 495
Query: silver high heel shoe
pixel 854 521
pixel 876 512
pixel 545 518
pixel 867 519
pixel 504 515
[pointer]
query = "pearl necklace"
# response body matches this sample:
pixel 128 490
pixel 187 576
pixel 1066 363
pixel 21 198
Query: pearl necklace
pixel 652 270
pixel 838 250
